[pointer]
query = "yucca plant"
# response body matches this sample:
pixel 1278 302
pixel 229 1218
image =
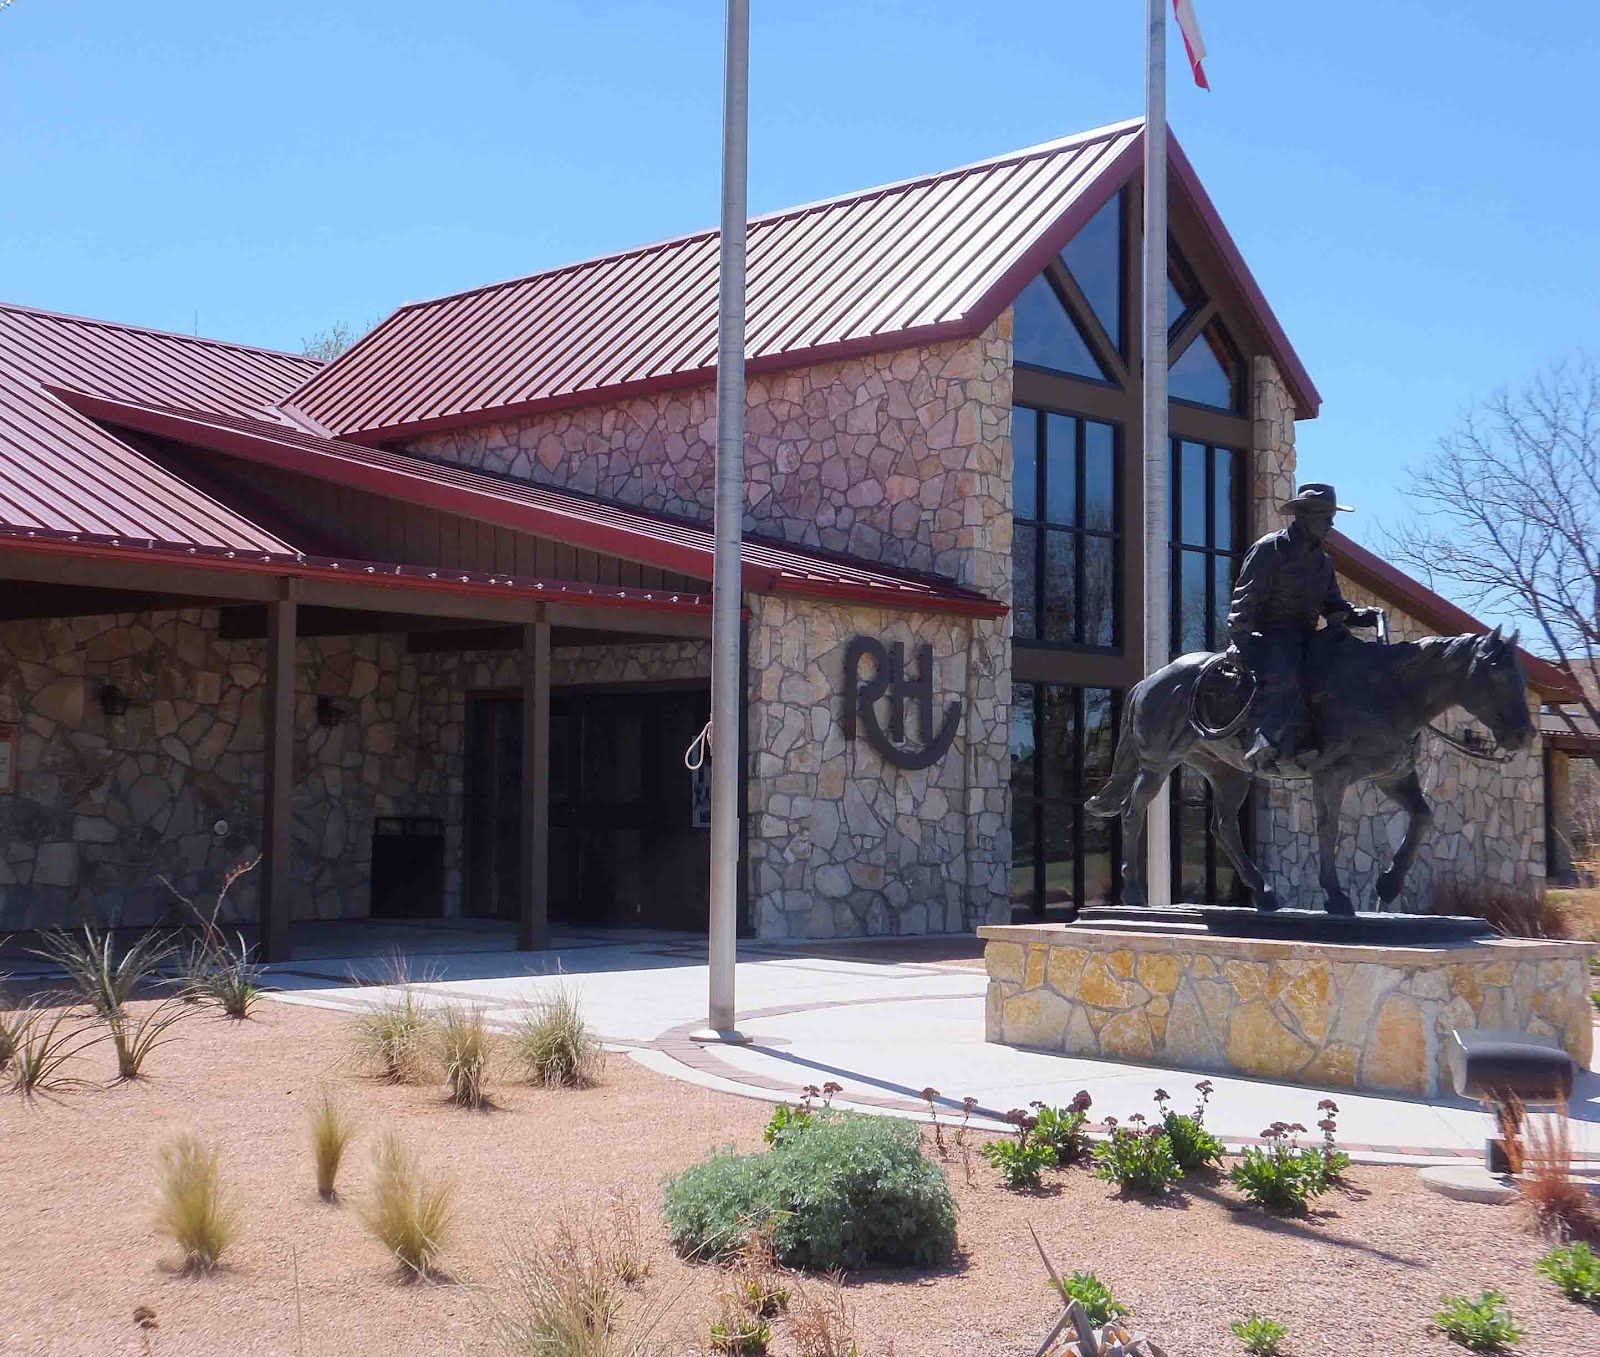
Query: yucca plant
pixel 136 1036
pixel 466 1050
pixel 100 977
pixel 331 1134
pixel 196 1211
pixel 405 1211
pixel 44 1041
pixel 554 1043
pixel 233 979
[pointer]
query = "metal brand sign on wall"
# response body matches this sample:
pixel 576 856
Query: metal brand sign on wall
pixel 890 680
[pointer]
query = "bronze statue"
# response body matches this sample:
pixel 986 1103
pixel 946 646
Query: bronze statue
pixel 1285 584
pixel 1323 706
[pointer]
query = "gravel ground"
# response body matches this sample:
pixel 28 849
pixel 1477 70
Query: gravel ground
pixel 78 1253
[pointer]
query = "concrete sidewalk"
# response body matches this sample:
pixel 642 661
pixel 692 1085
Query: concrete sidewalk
pixel 885 1024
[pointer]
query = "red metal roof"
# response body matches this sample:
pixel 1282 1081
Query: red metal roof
pixel 922 260
pixel 62 472
pixel 1389 582
pixel 671 544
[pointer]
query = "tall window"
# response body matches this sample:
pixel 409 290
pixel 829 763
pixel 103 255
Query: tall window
pixel 1065 549
pixel 1061 746
pixel 1207 518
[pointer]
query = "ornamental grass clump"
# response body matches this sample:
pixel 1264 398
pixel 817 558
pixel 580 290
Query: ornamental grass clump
pixel 846 1191
pixel 196 1210
pixel 822 1323
pixel 555 1045
pixel 466 1050
pixel 1022 1161
pixel 1281 1175
pixel 391 1036
pixel 1137 1157
pixel 407 1212
pixel 1483 1325
pixel 331 1133
pixel 1553 1201
pixel 1575 1269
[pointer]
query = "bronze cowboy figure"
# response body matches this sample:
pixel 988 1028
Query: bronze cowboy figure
pixel 1321 705
pixel 1285 585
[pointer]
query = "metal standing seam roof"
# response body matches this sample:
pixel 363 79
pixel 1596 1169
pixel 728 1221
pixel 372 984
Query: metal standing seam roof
pixel 61 472
pixel 671 544
pixel 904 263
pixel 925 259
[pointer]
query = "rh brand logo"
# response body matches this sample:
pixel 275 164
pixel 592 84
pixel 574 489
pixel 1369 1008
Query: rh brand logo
pixel 889 679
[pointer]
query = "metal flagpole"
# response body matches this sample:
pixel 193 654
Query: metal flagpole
pixel 1157 548
pixel 727 675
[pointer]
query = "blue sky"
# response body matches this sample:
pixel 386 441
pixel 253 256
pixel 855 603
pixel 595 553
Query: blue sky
pixel 1415 184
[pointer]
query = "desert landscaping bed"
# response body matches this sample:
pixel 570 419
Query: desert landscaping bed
pixel 79 1253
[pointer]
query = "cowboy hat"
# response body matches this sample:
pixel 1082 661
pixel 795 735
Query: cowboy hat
pixel 1315 494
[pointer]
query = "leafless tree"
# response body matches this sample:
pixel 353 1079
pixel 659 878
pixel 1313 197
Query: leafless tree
pixel 1507 509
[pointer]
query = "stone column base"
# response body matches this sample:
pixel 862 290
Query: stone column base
pixel 1329 1015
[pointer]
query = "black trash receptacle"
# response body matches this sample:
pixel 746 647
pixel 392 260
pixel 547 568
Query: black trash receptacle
pixel 407 867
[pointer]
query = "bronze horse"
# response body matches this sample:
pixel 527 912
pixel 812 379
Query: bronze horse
pixel 1369 703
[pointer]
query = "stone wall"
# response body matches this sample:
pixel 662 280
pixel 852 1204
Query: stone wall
pixel 841 842
pixel 891 457
pixel 105 805
pixel 172 787
pixel 1488 826
pixel 1272 445
pixel 1333 1015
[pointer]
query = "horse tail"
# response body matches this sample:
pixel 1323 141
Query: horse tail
pixel 1112 799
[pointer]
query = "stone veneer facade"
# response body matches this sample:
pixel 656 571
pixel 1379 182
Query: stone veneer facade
pixel 1328 1014
pixel 105 805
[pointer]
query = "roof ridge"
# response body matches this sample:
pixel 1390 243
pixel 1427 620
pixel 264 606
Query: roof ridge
pixel 24 309
pixel 1103 133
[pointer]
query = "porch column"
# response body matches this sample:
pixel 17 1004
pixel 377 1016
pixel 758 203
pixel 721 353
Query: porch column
pixel 533 925
pixel 278 722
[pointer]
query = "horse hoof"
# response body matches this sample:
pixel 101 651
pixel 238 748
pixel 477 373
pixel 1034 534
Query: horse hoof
pixel 1388 887
pixel 1340 905
pixel 1267 900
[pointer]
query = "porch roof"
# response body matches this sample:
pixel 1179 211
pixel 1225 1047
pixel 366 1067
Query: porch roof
pixel 671 544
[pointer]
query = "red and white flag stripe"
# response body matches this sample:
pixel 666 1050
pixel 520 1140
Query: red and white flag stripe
pixel 1193 43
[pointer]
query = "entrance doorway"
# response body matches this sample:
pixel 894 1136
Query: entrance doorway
pixel 627 848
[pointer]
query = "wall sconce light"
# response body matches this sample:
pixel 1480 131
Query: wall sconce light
pixel 329 713
pixel 113 701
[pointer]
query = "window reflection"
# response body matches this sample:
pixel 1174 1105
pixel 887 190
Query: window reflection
pixel 1094 258
pixel 1044 335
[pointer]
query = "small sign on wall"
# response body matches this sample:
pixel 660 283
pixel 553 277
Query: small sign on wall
pixel 8 760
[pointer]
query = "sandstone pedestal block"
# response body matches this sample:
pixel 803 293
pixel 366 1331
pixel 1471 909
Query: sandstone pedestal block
pixel 1333 1015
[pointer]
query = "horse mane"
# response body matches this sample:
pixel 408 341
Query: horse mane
pixel 1405 658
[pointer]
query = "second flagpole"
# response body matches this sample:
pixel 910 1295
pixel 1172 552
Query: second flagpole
pixel 1157 544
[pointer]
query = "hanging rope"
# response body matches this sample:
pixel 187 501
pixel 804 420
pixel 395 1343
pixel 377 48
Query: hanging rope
pixel 699 750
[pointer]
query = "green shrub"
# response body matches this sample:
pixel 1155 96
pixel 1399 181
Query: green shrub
pixel 1575 1269
pixel 850 1190
pixel 1063 1128
pixel 1483 1325
pixel 1099 1305
pixel 1137 1158
pixel 1193 1146
pixel 1281 1175
pixel 1020 1162
pixel 1262 1337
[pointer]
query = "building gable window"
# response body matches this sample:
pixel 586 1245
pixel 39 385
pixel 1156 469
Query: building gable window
pixel 1208 372
pixel 1065 550
pixel 1094 259
pixel 1046 336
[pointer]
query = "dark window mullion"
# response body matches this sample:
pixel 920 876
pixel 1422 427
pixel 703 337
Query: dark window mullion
pixel 1078 442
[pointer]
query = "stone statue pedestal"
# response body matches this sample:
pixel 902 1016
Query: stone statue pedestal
pixel 1364 1003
